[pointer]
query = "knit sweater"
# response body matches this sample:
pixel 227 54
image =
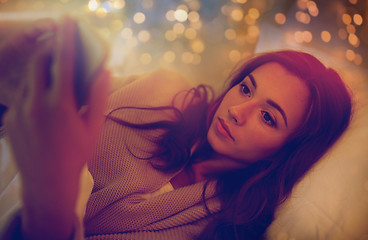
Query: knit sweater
pixel 118 207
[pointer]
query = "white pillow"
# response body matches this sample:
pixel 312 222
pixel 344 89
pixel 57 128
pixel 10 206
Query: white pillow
pixel 331 202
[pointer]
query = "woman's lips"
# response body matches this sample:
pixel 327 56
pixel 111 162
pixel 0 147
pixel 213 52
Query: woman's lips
pixel 224 129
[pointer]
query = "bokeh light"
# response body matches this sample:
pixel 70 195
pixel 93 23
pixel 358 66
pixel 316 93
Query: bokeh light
pixel 346 18
pixel 234 55
pixel 198 46
pixel 237 14
pixel 181 15
pixel 139 17
pixel 230 34
pixel 169 56
pixel 193 16
pixel 358 19
pixel 144 36
pixel 126 33
pixel 192 32
pixel 325 36
pixel 280 18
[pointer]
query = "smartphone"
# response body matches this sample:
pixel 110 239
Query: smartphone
pixel 90 57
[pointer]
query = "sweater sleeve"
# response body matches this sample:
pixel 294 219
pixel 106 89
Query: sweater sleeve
pixel 121 178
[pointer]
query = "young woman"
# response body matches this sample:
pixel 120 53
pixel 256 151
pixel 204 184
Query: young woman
pixel 172 161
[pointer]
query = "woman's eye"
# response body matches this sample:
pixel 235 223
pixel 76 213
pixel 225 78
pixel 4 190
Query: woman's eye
pixel 267 118
pixel 245 89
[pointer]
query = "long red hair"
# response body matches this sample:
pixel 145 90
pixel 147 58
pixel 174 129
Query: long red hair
pixel 250 196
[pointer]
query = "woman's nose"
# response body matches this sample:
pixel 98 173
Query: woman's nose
pixel 240 113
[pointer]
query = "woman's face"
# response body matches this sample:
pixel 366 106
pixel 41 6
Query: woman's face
pixel 257 115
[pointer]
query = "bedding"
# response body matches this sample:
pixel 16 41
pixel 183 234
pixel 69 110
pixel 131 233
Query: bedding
pixel 330 203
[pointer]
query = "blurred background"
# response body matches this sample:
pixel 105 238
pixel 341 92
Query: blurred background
pixel 204 39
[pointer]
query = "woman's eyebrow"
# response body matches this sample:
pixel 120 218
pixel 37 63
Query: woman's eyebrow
pixel 252 80
pixel 278 108
pixel 269 101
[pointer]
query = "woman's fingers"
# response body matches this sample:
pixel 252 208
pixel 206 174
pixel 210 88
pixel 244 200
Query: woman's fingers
pixel 27 39
pixel 39 78
pixel 64 62
pixel 15 52
pixel 40 28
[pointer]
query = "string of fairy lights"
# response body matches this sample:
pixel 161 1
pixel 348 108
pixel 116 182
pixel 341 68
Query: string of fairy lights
pixel 197 33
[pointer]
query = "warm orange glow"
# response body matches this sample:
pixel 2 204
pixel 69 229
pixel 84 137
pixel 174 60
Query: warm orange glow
pixel 302 4
pixel 178 28
pixel 280 18
pixel 187 57
pixel 225 10
pixel 358 61
pixel 190 33
pixel 169 56
pixel 366 185
pixel 251 39
pixel 298 36
pixel 342 34
pixel 196 25
pixel 183 7
pixel 254 13
pixel 197 59
pixel 170 35
pixel 253 31
pixel 234 55
pixel 354 40
pixel 302 17
pixel 350 29
pixel 358 20
pixel 346 18
pixel 312 8
pixel 239 1
pixel 307 36
pixel 193 16
pixel 194 5
pixel 350 55
pixel 230 34
pixel 237 14
pixel 248 20
pixel 198 46
pixel 325 36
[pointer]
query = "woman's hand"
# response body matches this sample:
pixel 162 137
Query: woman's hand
pixel 51 139
pixel 16 49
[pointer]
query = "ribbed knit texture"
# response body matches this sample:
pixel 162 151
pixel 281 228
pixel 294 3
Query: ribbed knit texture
pixel 116 209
